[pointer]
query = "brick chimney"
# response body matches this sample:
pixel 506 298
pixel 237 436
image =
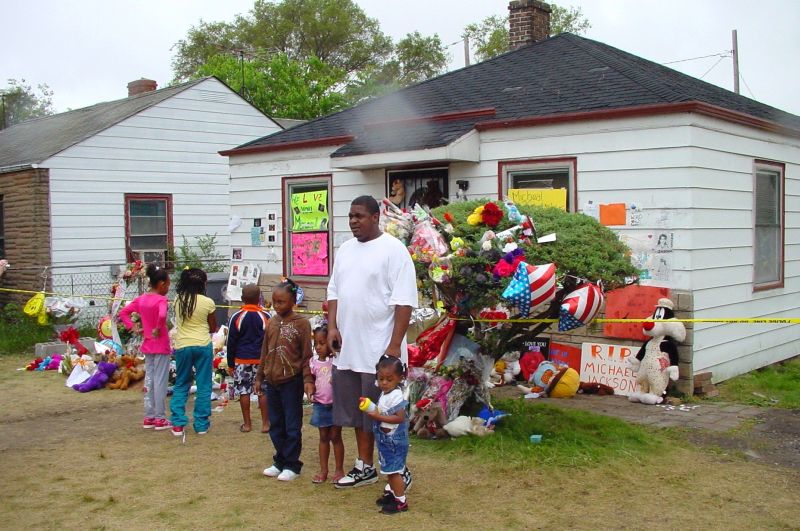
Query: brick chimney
pixel 529 21
pixel 140 86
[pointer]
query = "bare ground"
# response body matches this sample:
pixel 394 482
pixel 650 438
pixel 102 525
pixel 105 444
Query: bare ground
pixel 72 460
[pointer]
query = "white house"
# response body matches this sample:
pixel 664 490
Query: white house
pixel 716 173
pixel 104 185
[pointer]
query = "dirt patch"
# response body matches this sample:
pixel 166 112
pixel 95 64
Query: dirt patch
pixel 83 461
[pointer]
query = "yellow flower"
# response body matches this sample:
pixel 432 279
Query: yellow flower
pixel 476 218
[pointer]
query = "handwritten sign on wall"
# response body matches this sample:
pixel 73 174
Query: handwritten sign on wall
pixel 540 197
pixel 310 211
pixel 310 253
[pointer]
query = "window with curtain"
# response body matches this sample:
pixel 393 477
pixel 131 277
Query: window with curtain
pixel 148 227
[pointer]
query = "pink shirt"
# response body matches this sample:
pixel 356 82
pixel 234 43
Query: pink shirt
pixel 152 308
pixel 323 372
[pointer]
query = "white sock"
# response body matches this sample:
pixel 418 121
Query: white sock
pixel 401 499
pixel 359 464
pixel 387 488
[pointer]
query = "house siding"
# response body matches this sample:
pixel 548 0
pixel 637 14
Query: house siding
pixel 27 230
pixel 672 167
pixel 170 148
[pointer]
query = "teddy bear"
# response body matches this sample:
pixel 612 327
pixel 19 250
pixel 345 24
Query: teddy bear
pixel 463 425
pixel 97 380
pixel 656 363
pixel 429 419
pixel 129 371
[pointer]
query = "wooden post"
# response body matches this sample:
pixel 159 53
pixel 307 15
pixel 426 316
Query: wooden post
pixel 735 62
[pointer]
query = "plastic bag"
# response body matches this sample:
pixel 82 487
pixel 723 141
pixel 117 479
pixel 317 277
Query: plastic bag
pixel 35 308
pixel 427 242
pixel 395 222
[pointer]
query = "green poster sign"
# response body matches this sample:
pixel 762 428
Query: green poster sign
pixel 310 211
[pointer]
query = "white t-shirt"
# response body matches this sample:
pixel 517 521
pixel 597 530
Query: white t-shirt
pixel 387 405
pixel 369 279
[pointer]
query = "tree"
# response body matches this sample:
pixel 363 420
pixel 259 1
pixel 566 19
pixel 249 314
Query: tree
pixel 415 59
pixel 325 38
pixel 20 102
pixel 490 36
pixel 337 32
pixel 279 86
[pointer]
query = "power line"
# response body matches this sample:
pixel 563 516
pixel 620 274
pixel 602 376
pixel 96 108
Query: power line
pixel 746 85
pixel 723 54
pixel 712 67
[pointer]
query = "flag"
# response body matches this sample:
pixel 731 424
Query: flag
pixel 580 307
pixel 531 286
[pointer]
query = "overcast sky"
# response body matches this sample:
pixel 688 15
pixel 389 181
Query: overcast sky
pixel 88 50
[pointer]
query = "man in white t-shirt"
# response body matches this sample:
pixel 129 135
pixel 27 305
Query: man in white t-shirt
pixel 371 293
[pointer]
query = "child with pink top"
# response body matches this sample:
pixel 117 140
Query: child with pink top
pixel 322 412
pixel 152 310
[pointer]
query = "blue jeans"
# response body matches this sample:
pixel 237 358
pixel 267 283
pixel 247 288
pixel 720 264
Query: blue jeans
pixel 392 448
pixel 186 359
pixel 285 403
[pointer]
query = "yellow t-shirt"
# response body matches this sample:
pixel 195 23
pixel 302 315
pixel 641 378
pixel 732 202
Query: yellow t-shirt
pixel 193 332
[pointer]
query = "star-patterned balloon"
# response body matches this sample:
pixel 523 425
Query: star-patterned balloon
pixel 580 307
pixel 531 286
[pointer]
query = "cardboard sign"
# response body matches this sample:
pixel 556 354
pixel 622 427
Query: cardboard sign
pixel 607 365
pixel 539 196
pixel 565 355
pixel 631 302
pixel 310 253
pixel 310 211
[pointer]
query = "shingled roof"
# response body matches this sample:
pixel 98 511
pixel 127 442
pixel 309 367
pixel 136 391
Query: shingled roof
pixel 36 140
pixel 560 75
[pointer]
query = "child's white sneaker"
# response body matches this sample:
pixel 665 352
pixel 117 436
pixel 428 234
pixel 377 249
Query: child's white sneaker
pixel 287 475
pixel 272 472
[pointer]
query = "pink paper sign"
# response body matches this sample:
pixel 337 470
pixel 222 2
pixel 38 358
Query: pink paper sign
pixel 310 253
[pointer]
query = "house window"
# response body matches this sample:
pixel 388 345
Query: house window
pixel 427 186
pixel 307 208
pixel 540 174
pixel 148 227
pixel 2 230
pixel 768 231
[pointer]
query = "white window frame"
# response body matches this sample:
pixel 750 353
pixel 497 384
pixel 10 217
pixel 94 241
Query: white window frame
pixel 507 169
pixel 779 169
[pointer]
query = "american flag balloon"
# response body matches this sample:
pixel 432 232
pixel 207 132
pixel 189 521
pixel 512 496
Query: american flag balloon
pixel 580 307
pixel 531 286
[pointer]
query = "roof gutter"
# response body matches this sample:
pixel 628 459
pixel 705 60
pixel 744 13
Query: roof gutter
pixel 697 107
pixel 285 146
pixel 18 167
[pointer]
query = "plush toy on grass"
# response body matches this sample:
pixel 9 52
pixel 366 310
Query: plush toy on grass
pixel 429 420
pixel 129 371
pixel 99 379
pixel 657 361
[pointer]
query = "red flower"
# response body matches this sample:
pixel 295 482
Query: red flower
pixel 491 214
pixel 69 335
pixel 448 217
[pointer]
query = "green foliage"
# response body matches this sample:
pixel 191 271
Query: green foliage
pixel 317 56
pixel 776 385
pixel 21 102
pixel 18 332
pixel 203 254
pixel 570 438
pixel 278 86
pixel 490 36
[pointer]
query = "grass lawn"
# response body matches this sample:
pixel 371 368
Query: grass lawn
pixel 776 385
pixel 82 460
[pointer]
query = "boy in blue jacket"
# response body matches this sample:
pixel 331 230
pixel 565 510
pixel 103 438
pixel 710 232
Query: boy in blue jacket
pixel 245 339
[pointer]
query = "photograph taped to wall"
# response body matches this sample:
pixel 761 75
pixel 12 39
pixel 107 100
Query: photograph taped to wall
pixel 236 254
pixel 663 242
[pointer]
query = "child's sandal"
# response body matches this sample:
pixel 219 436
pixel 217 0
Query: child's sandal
pixel 319 478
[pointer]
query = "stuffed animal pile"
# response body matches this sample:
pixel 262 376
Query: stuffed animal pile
pixel 428 420
pixel 657 361
pixel 129 369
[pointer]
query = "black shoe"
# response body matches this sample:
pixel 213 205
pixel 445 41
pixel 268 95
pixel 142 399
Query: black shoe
pixel 394 506
pixel 385 498
pixel 408 479
pixel 358 478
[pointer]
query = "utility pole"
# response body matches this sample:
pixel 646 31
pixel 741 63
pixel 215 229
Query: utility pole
pixel 466 50
pixel 735 62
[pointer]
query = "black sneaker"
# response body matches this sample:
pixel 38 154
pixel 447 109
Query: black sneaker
pixel 408 479
pixel 385 498
pixel 394 506
pixel 358 478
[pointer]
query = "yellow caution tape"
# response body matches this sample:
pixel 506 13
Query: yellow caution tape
pixel 776 320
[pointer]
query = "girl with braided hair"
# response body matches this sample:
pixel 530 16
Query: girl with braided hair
pixel 196 321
